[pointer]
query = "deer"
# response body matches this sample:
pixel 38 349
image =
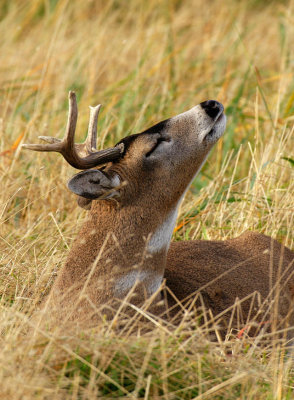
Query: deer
pixel 132 192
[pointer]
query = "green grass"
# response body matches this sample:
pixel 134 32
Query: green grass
pixel 145 61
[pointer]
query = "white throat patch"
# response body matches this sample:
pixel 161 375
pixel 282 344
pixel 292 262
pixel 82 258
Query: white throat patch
pixel 162 236
pixel 124 284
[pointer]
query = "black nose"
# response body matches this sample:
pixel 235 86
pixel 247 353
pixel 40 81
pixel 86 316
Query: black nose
pixel 212 108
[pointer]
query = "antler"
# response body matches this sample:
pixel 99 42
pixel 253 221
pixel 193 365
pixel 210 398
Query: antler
pixel 82 155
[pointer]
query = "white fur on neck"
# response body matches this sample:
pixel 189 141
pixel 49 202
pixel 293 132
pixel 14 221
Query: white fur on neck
pixel 163 234
pixel 152 280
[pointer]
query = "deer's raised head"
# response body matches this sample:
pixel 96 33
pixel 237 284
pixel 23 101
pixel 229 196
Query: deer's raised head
pixel 158 163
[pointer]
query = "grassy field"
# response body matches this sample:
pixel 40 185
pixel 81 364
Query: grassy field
pixel 144 61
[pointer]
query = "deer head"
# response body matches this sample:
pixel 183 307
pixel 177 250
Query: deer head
pixel 159 162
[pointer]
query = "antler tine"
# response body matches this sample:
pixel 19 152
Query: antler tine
pixel 71 123
pixel 91 141
pixel 70 150
pixel 67 144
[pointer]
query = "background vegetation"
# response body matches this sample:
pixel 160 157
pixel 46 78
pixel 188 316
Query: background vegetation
pixel 145 61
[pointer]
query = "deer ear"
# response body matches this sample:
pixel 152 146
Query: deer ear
pixel 94 184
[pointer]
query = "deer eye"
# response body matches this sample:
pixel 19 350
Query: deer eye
pixel 157 143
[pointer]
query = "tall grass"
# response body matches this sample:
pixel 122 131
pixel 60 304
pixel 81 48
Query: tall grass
pixel 145 61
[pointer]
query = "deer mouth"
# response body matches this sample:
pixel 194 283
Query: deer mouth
pixel 217 129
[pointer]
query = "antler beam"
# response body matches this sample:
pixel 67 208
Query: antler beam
pixel 82 155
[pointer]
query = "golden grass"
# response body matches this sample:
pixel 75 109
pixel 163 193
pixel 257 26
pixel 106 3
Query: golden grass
pixel 145 61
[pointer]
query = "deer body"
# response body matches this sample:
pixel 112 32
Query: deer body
pixel 252 266
pixel 133 201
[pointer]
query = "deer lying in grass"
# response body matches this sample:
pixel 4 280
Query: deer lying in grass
pixel 133 200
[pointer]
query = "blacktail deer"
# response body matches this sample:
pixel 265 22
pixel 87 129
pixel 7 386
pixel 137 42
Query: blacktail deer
pixel 133 201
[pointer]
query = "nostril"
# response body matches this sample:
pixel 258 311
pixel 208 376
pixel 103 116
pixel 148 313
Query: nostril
pixel 209 104
pixel 212 108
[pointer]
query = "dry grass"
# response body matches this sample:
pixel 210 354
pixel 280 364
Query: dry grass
pixel 145 60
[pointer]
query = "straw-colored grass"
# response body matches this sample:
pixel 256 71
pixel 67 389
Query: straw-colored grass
pixel 145 61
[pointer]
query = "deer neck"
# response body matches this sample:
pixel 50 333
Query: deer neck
pixel 119 247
